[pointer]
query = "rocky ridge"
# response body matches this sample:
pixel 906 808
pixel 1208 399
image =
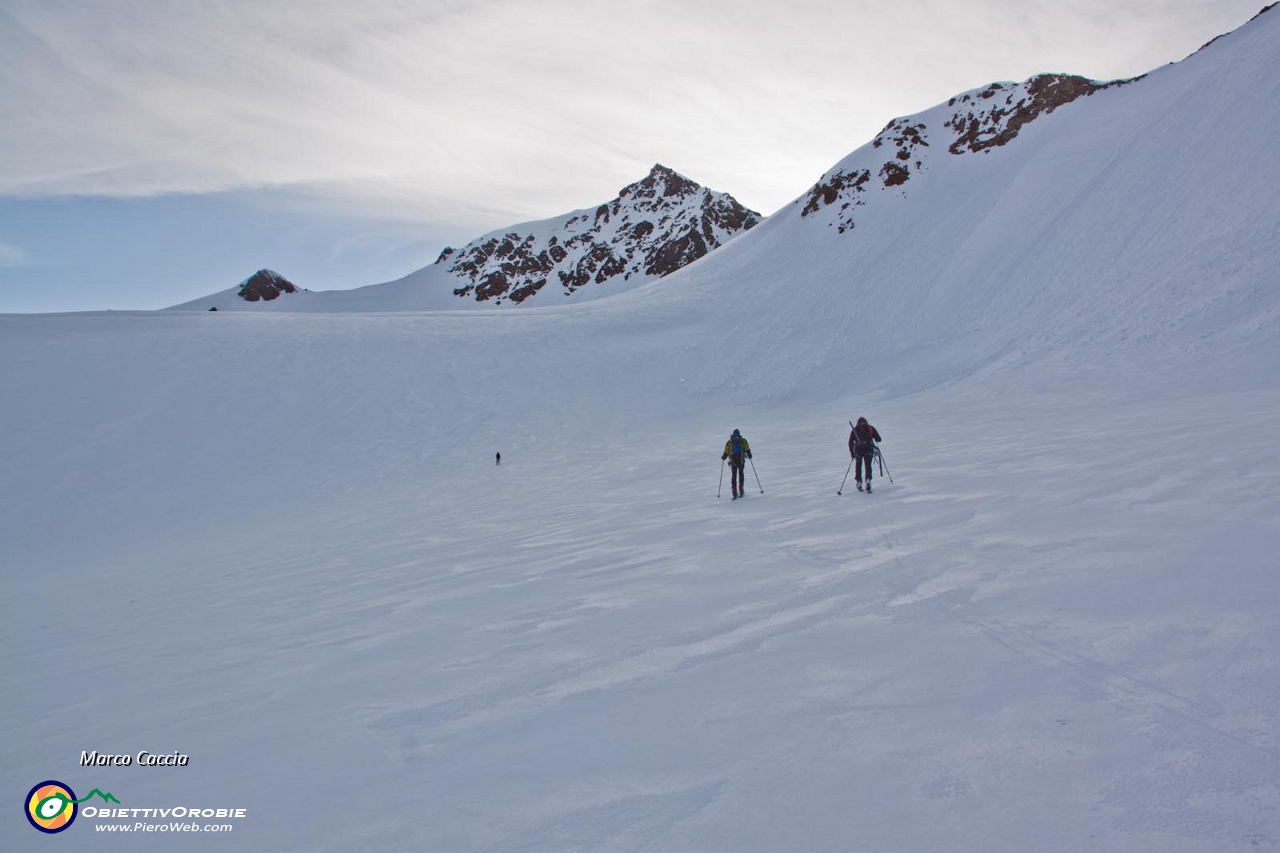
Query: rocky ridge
pixel 653 228
pixel 977 121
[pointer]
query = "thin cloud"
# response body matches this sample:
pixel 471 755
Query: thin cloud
pixel 508 110
pixel 12 256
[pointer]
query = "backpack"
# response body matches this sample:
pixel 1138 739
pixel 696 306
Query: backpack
pixel 735 445
pixel 865 440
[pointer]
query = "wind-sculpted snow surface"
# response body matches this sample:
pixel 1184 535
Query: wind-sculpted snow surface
pixel 1056 631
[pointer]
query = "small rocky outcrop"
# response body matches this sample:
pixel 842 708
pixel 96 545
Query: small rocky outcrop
pixel 653 228
pixel 265 285
pixel 898 151
pixel 990 125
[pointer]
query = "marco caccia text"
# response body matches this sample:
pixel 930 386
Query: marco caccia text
pixel 143 759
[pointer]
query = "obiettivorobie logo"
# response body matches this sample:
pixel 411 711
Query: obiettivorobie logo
pixel 52 806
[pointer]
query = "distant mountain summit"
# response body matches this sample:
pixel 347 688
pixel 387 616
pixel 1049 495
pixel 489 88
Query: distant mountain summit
pixel 263 288
pixel 265 285
pixel 653 228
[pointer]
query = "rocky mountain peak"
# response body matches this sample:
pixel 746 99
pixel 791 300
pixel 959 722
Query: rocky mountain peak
pixel 654 227
pixel 661 182
pixel 265 285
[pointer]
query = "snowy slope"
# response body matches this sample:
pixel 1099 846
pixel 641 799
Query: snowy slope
pixel 277 542
pixel 1132 230
pixel 654 227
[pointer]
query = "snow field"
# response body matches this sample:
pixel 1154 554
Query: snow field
pixel 1027 642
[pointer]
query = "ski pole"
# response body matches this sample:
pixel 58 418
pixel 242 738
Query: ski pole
pixel 721 486
pixel 753 471
pixel 883 469
pixel 840 491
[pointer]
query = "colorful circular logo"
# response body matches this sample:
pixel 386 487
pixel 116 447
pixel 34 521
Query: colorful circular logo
pixel 51 806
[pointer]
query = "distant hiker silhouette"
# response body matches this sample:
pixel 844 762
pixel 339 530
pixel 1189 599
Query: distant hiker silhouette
pixel 497 458
pixel 862 447
pixel 734 450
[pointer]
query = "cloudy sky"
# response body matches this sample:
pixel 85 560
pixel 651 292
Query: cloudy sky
pixel 157 150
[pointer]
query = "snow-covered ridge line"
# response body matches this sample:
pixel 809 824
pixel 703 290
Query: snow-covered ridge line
pixel 1264 10
pixel 653 228
pixel 974 121
pixel 979 120
pixel 665 221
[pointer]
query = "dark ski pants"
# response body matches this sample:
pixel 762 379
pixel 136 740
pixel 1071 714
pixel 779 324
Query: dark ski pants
pixel 737 475
pixel 858 462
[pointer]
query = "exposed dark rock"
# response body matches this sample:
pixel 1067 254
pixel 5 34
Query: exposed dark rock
pixel 982 120
pixel 835 185
pixel 265 285
pixel 641 230
pixel 894 175
pixel 904 139
pixel 660 180
pixel 680 252
pixel 989 128
pixel 493 284
pixel 610 266
pixel 520 294
pixel 618 240
pixel 214 308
